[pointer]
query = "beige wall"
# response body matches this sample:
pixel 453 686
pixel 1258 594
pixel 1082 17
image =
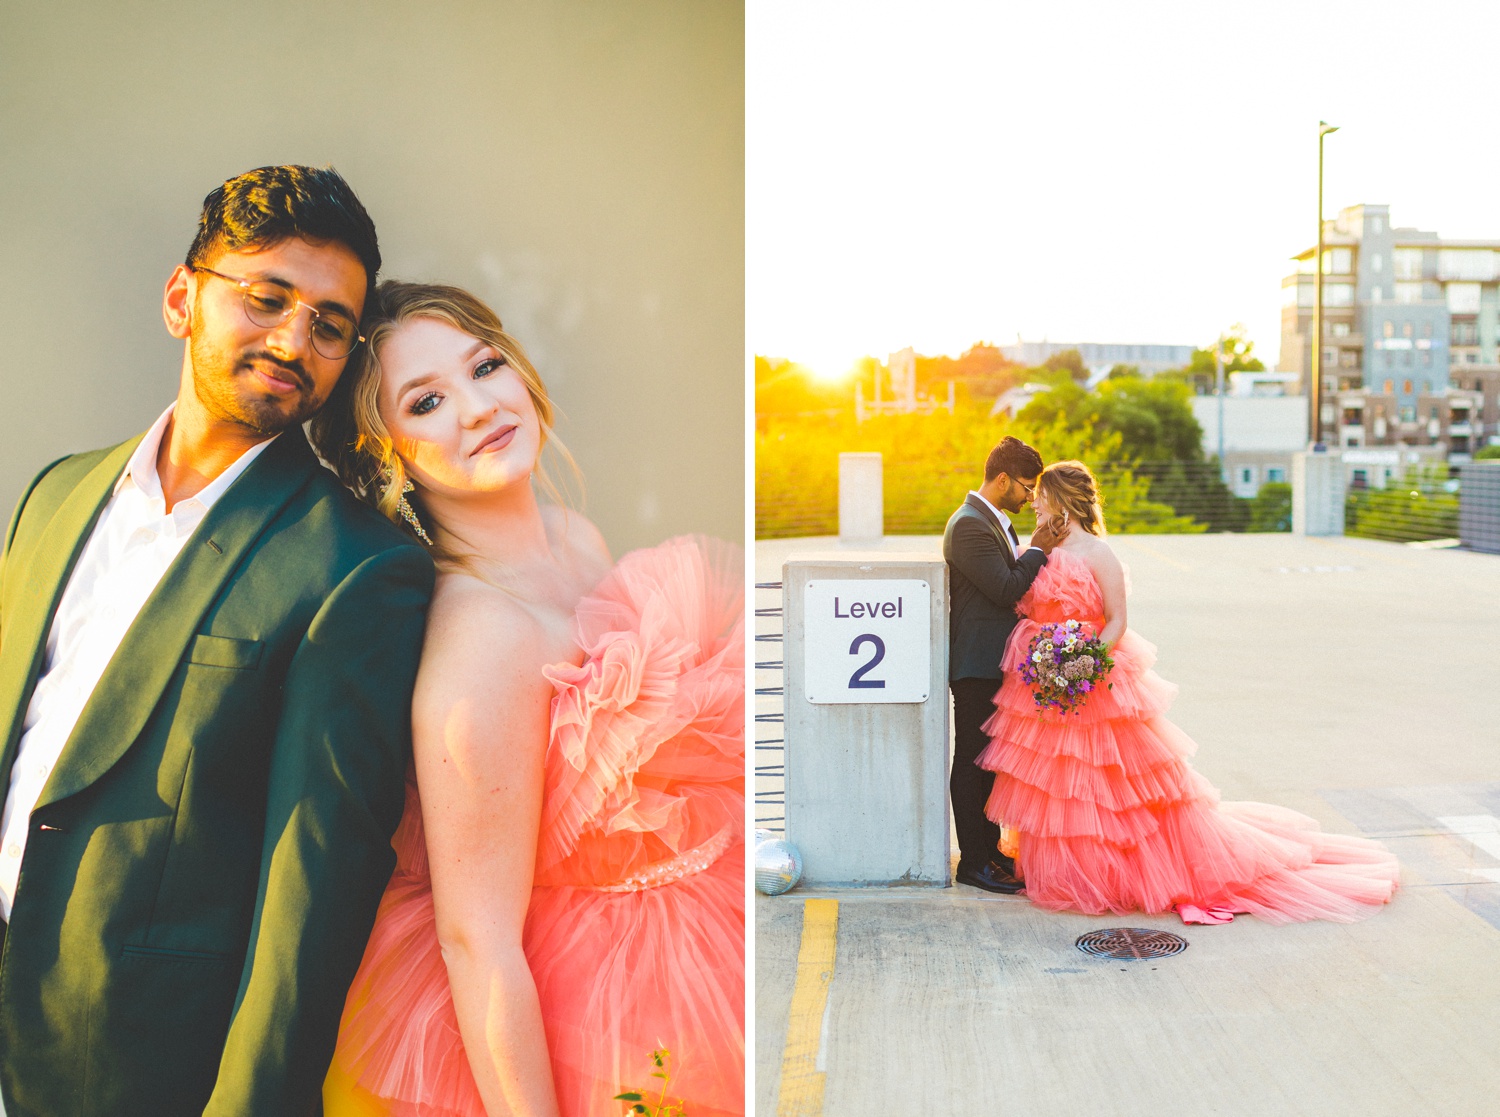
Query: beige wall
pixel 578 164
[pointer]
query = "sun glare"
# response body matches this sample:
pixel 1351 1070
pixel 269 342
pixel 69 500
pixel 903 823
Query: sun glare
pixel 825 373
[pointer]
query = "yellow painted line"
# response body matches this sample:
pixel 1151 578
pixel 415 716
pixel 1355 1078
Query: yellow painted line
pixel 801 1080
pixel 1154 553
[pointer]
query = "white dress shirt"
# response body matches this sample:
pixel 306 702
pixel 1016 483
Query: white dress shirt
pixel 1015 540
pixel 130 548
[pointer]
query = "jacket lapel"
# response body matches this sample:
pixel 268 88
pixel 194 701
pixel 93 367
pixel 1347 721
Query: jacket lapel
pixel 153 646
pixel 28 619
pixel 996 526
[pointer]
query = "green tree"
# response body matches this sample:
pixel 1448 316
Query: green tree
pixel 1152 417
pixel 1069 361
pixel 1489 453
pixel 1238 354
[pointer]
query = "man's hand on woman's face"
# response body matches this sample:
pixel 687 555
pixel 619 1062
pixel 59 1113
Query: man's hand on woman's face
pixel 1044 537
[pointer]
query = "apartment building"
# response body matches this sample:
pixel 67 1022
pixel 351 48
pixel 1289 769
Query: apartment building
pixel 1411 335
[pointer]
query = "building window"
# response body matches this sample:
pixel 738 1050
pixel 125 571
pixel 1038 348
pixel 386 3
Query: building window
pixel 1339 329
pixel 1375 262
pixel 1406 387
pixel 1275 473
pixel 1377 226
pixel 1338 294
pixel 1427 358
pixel 1390 386
pixel 1390 328
pixel 1408 412
pixel 1463 298
pixel 1466 263
pixel 1407 263
pixel 1406 329
pixel 1409 292
pixel 1361 479
pixel 1337 261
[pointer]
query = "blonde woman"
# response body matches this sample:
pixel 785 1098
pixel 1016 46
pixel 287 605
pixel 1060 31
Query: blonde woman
pixel 1110 816
pixel 569 892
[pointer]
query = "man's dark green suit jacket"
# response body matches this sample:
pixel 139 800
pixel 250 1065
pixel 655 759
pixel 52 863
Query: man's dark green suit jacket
pixel 203 866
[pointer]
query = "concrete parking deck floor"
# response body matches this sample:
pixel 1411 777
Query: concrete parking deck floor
pixel 1353 680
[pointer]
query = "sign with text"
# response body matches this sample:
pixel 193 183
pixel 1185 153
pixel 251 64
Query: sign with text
pixel 868 640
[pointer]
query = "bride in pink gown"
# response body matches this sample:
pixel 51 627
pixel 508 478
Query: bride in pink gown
pixel 569 888
pixel 1110 816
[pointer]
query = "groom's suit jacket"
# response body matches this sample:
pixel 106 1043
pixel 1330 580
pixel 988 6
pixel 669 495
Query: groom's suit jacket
pixel 203 866
pixel 985 580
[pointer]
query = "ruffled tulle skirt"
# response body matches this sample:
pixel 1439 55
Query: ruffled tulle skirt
pixel 1112 818
pixel 619 975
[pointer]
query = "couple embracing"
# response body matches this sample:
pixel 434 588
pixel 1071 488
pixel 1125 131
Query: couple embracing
pixel 1093 794
pixel 372 790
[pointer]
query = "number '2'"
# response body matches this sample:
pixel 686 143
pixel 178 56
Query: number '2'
pixel 857 681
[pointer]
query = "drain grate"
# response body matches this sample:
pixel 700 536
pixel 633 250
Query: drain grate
pixel 1136 943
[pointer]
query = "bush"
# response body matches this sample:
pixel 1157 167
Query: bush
pixel 930 462
pixel 1423 506
pixel 1271 508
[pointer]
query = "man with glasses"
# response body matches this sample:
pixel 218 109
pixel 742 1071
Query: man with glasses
pixel 987 574
pixel 205 679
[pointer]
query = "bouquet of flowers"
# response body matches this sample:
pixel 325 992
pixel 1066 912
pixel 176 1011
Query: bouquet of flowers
pixel 1064 663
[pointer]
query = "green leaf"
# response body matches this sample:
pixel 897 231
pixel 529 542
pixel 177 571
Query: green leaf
pixel 632 1096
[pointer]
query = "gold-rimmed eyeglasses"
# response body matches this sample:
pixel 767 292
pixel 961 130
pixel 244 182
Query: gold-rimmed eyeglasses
pixel 267 303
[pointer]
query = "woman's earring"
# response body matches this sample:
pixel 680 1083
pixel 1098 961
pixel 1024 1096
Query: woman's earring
pixel 410 516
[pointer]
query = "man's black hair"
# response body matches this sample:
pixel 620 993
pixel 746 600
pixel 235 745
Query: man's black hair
pixel 1013 458
pixel 271 204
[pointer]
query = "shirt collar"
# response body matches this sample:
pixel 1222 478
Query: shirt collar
pixel 140 471
pixel 1004 519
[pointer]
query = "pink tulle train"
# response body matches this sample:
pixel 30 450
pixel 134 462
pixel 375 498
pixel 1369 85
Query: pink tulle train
pixel 1112 818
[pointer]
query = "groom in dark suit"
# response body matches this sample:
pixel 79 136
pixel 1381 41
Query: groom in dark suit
pixel 987 574
pixel 207 650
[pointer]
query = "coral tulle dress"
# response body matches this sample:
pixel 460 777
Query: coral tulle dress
pixel 636 929
pixel 1111 817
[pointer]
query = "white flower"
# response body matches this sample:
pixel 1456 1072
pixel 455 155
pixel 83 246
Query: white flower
pixel 1059 680
pixel 1072 624
pixel 1036 657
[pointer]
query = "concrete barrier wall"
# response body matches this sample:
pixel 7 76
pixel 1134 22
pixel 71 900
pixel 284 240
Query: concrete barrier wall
pixel 866 778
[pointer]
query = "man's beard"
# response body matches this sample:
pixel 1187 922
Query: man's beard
pixel 225 387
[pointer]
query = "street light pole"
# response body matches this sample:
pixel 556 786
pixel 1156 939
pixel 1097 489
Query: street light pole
pixel 1315 395
pixel 1219 389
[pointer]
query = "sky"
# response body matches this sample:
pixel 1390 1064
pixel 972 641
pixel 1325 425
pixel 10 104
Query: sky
pixel 942 173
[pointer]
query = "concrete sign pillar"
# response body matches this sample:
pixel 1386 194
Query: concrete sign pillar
pixel 861 498
pixel 1318 493
pixel 866 709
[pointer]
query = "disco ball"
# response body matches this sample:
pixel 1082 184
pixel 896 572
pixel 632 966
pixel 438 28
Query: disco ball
pixel 778 866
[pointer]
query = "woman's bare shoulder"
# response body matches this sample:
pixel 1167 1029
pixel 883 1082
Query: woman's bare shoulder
pixel 473 627
pixel 1100 556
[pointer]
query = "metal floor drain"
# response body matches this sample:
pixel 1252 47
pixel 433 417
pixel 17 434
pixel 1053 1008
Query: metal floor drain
pixel 1136 943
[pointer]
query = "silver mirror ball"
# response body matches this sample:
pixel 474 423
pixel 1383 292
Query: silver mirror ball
pixel 778 866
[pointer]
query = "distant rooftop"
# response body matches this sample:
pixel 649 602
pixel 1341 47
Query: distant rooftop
pixel 1101 356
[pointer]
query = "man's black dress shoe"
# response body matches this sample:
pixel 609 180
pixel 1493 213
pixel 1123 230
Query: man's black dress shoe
pixel 991 877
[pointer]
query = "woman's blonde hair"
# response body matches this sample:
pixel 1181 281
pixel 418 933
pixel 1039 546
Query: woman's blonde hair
pixel 351 436
pixel 1072 495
